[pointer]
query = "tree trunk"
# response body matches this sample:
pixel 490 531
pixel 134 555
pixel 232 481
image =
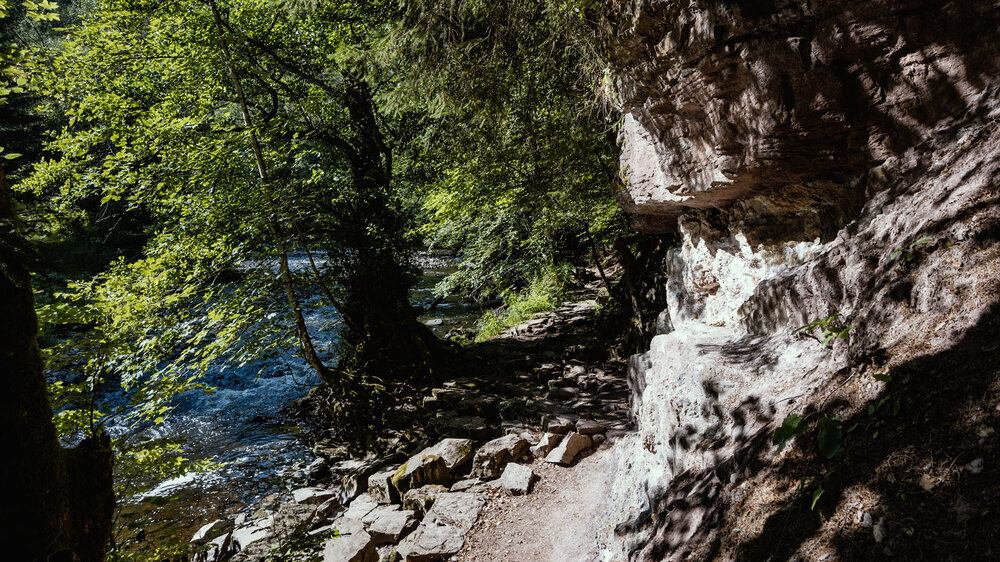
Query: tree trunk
pixel 59 503
pixel 394 341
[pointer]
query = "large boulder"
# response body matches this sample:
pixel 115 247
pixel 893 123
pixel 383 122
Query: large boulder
pixel 492 457
pixel 517 479
pixel 420 470
pixel 442 533
pixel 455 452
pixel 352 543
pixel 568 448
pixel 380 486
pixel 421 499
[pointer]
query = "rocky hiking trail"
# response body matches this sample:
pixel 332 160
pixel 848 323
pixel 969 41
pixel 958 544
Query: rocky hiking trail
pixel 511 461
pixel 558 521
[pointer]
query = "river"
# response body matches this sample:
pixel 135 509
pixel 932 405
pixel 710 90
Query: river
pixel 239 425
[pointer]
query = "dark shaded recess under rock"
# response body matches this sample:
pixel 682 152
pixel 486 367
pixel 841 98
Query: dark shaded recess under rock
pixel 797 100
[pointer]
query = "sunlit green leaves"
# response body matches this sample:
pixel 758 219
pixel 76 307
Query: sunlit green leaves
pixel 791 427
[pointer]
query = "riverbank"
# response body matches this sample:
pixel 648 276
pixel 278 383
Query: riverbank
pixel 556 368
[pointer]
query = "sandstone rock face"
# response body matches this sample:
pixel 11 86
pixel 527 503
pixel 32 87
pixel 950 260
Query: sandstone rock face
pixel 493 456
pixel 850 150
pixel 722 98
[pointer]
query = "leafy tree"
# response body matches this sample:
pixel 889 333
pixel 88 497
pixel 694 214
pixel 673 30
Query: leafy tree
pixel 517 162
pixel 244 134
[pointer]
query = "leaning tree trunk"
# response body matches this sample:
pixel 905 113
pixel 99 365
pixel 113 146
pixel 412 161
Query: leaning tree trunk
pixel 287 281
pixel 59 503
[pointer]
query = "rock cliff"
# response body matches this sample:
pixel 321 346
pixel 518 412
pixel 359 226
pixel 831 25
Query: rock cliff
pixel 813 160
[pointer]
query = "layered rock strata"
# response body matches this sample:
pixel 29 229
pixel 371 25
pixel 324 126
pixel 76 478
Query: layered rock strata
pixel 812 159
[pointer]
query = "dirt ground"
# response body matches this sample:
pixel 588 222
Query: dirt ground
pixel 558 521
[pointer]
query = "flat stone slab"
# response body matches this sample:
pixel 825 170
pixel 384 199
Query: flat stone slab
pixel 360 507
pixel 353 543
pixel 442 533
pixel 590 427
pixel 517 479
pixel 312 495
pixel 392 526
pixel 568 448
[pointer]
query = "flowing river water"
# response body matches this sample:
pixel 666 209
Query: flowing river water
pixel 240 427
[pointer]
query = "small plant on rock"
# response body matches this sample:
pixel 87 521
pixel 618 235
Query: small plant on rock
pixel 908 252
pixel 832 329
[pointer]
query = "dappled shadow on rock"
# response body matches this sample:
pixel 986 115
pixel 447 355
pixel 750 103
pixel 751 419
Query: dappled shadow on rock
pixel 917 478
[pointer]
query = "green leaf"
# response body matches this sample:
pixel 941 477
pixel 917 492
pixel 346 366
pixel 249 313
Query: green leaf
pixel 790 428
pixel 830 437
pixel 884 377
pixel 11 156
pixel 871 409
pixel 816 495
